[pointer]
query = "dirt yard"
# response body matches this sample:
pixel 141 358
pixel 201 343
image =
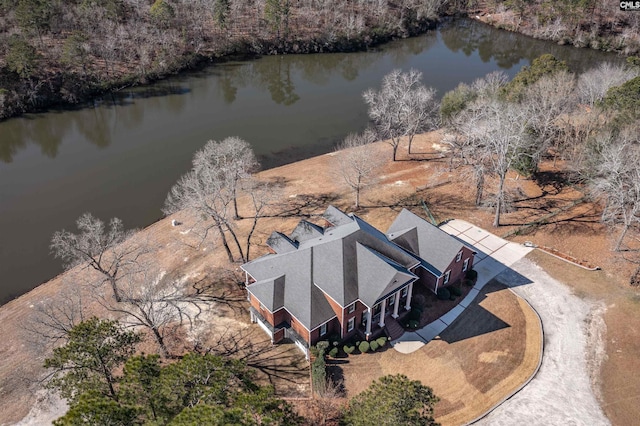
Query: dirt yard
pixel 307 188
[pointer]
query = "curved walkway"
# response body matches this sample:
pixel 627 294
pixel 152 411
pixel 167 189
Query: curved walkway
pixel 494 255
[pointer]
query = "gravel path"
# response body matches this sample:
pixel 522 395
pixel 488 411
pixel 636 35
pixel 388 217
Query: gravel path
pixel 561 392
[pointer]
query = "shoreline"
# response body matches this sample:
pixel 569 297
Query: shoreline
pixel 243 50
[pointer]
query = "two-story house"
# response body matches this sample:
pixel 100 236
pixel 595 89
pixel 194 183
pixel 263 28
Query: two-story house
pixel 347 277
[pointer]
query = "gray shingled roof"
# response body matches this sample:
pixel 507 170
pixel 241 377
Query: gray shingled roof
pixel 336 216
pixel 335 268
pixel 306 231
pixel 378 275
pixel 280 243
pixel 351 260
pixel 430 243
pixel 298 295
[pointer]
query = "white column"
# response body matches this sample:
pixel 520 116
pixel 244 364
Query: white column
pixel 382 313
pixel 368 329
pixel 407 305
pixel 396 303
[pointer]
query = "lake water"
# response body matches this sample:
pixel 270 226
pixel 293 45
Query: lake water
pixel 120 155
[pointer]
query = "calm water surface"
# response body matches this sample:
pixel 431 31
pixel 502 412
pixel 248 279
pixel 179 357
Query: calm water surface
pixel 120 155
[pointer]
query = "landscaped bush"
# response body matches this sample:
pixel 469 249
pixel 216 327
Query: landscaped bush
pixel 322 346
pixel 455 291
pixel 413 324
pixel 453 297
pixel 364 347
pixel 467 282
pixel 443 293
pixel 319 374
pixel 471 274
pixel 381 341
pixel 348 348
pixel 333 352
pixel 374 346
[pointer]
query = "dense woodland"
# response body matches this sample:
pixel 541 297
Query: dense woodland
pixel 64 51
pixel 596 24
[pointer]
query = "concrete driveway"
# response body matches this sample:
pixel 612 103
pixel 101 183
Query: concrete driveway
pixel 494 255
pixel 561 392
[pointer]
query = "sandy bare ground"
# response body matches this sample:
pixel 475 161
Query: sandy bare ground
pixel 561 393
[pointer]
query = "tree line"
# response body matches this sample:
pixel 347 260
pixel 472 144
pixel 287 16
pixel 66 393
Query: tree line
pixel 66 50
pixel 597 24
pixel 106 381
pixel 63 51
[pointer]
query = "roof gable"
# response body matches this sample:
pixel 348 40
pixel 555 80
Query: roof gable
pixel 434 246
pixel 378 275
pixel 336 217
pixel 280 243
pixel 306 231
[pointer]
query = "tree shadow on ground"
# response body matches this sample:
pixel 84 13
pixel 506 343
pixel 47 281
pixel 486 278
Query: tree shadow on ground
pixel 580 222
pixel 304 205
pixel 335 373
pixel 557 180
pixel 280 364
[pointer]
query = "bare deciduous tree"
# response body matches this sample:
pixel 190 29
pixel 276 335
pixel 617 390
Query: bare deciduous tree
pixel 548 101
pixel 234 160
pixel 402 108
pixel 211 187
pixel 262 196
pixel 52 319
pixel 462 136
pixel 497 133
pixel 357 164
pixel 594 83
pixel 326 408
pixel 618 181
pixel 103 250
pixel 156 304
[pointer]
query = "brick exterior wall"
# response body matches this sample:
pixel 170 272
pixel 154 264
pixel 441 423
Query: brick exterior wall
pixel 300 329
pixel 456 267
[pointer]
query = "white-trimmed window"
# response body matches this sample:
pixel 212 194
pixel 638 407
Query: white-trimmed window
pixel 262 308
pixel 404 292
pixel 351 324
pixel 323 329
pixel 391 300
pixel 351 308
pixel 459 256
pixel 465 265
pixel 446 277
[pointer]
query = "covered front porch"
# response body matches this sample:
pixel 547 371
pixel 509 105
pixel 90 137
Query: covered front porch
pixel 376 318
